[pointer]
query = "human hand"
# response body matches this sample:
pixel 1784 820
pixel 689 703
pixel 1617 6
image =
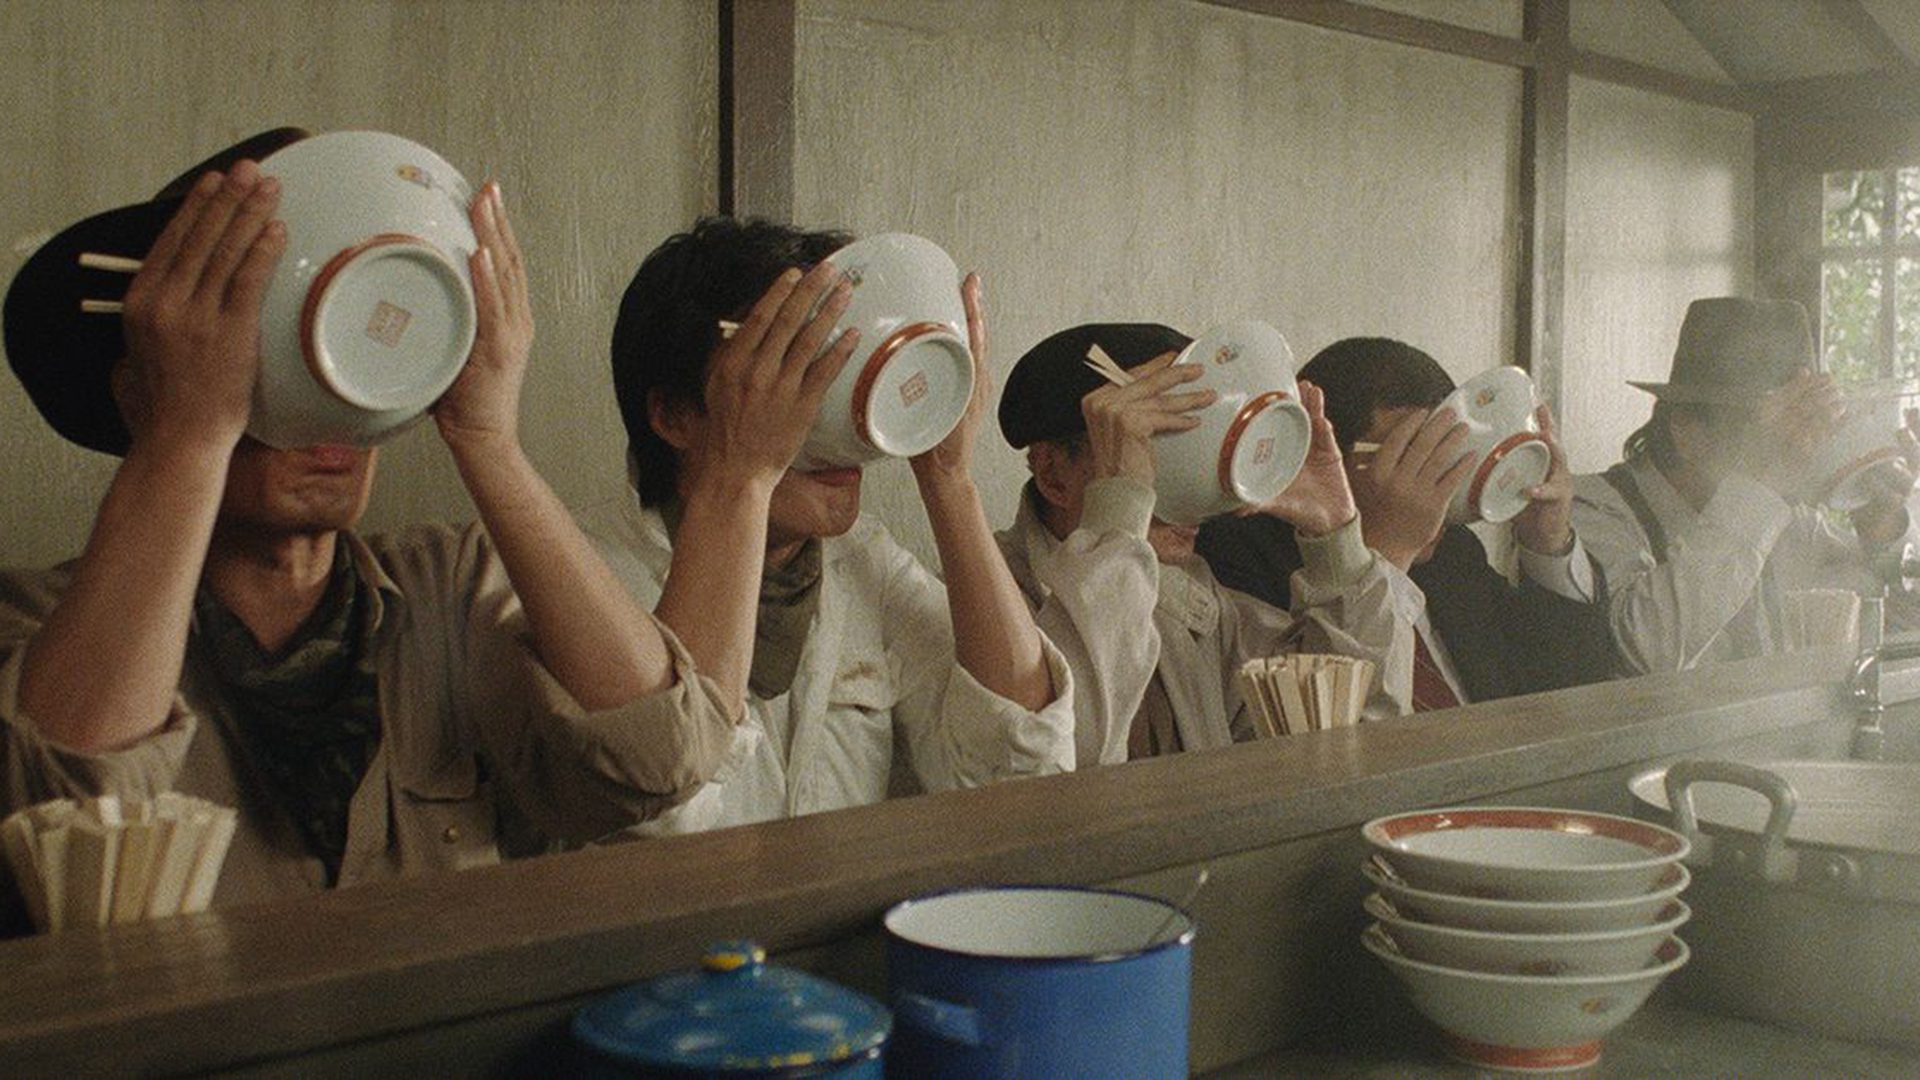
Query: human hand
pixel 1403 490
pixel 192 313
pixel 952 458
pixel 766 382
pixel 1793 423
pixel 1883 519
pixel 1545 527
pixel 1319 500
pixel 1122 420
pixel 482 407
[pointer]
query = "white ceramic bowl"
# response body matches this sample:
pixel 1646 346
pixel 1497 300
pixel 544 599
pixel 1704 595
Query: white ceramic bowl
pixel 1251 440
pixel 1529 1023
pixel 1504 440
pixel 1866 441
pixel 1530 916
pixel 369 316
pixel 1526 853
pixel 908 382
pixel 1598 952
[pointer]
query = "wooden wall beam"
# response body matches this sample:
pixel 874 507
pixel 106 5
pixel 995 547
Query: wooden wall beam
pixel 757 108
pixel 1540 303
pixel 1612 69
pixel 1392 26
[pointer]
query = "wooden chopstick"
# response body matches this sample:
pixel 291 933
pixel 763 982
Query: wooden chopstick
pixel 1115 374
pixel 1112 377
pixel 728 328
pixel 101 307
pixel 119 264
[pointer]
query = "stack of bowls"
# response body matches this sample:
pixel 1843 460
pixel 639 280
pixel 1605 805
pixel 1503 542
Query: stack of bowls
pixel 1525 934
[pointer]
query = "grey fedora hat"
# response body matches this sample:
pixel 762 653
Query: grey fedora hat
pixel 1733 349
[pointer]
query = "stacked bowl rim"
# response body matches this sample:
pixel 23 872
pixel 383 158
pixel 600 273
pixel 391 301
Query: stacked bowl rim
pixel 1521 953
pixel 1527 916
pixel 1547 857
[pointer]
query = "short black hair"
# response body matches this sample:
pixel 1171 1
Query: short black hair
pixel 669 322
pixel 1362 375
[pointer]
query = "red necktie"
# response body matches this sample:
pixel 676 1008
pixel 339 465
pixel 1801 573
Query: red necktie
pixel 1430 689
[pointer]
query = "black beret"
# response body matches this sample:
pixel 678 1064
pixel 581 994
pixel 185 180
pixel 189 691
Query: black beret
pixel 1041 400
pixel 65 358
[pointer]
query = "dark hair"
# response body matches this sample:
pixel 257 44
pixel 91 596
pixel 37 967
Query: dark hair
pixel 669 322
pixel 1362 375
pixel 1655 437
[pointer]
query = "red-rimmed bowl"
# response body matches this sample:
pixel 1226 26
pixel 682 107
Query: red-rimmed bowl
pixel 1527 853
pixel 1524 1023
pixel 1503 436
pixel 369 315
pixel 1529 916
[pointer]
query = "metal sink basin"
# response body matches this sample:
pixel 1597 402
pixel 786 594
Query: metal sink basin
pixel 1806 891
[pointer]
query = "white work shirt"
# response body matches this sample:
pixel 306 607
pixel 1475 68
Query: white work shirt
pixel 1121 617
pixel 1716 597
pixel 877 681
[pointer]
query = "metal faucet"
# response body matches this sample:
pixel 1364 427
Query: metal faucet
pixel 1899 571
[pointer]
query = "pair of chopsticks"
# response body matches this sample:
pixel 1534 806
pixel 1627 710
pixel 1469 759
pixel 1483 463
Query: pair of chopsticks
pixel 1367 448
pixel 1102 365
pixel 117 264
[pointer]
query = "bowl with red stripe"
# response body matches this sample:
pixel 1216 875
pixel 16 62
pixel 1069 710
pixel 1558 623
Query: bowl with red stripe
pixel 1527 853
pixel 1510 455
pixel 1524 1023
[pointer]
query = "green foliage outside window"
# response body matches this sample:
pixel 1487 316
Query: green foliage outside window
pixel 1870 275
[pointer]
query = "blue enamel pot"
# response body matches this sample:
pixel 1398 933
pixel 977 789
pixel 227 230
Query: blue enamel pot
pixel 734 1016
pixel 1035 981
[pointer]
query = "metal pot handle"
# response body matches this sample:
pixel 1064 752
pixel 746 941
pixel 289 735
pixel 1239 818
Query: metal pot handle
pixel 1773 861
pixel 943 1019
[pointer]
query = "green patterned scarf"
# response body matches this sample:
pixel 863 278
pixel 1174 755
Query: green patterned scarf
pixel 310 714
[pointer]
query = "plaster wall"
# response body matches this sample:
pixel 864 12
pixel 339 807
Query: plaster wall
pixel 1659 212
pixel 1174 162
pixel 598 117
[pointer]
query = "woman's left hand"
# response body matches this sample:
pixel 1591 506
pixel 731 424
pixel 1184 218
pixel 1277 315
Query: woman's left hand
pixel 1319 500
pixel 1545 527
pixel 952 458
pixel 483 404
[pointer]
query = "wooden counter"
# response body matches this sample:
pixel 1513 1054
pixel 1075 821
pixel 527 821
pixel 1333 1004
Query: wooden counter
pixel 473 972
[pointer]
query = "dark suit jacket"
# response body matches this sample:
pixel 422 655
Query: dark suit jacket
pixel 1503 640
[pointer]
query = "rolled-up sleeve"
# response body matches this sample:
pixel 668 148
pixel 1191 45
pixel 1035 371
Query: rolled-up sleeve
pixel 36 768
pixel 1348 602
pixel 578 774
pixel 959 733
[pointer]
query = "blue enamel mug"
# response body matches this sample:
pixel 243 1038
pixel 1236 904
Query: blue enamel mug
pixel 1038 981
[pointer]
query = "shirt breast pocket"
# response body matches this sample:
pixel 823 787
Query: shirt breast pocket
pixel 445 817
pixel 859 726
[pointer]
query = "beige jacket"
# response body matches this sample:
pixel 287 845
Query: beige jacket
pixel 879 705
pixel 482 753
pixel 1120 616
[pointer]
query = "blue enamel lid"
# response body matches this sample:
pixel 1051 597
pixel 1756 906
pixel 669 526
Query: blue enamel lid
pixel 734 1013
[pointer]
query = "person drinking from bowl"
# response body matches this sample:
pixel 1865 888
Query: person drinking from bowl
pixel 1480 636
pixel 1705 526
pixel 374 706
pixel 1155 643
pixel 840 651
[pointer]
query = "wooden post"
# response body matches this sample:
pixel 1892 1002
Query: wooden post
pixel 1540 303
pixel 756 108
